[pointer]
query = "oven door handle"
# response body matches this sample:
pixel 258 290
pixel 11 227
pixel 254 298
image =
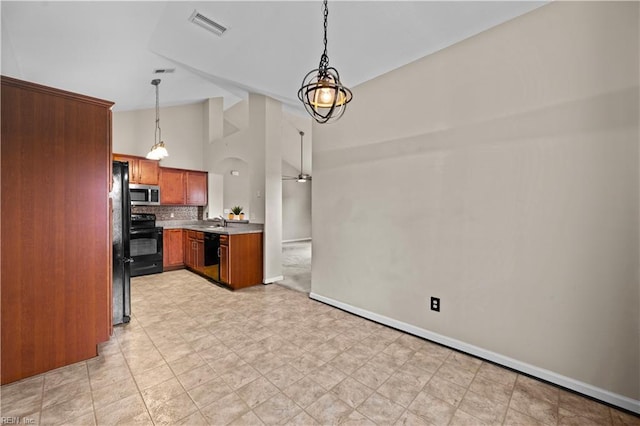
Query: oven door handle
pixel 146 231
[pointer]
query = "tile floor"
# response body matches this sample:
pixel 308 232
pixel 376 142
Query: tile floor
pixel 195 353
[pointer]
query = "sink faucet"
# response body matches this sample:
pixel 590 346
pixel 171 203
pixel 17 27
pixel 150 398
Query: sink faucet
pixel 223 220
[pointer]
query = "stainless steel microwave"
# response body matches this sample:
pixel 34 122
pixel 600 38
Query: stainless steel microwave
pixel 144 195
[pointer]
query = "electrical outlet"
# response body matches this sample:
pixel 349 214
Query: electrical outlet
pixel 435 304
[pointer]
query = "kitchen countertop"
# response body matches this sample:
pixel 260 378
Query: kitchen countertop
pixel 212 227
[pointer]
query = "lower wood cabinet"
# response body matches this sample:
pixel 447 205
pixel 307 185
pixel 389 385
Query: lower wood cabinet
pixel 240 256
pixel 194 250
pixel 173 249
pixel 241 260
pixel 224 259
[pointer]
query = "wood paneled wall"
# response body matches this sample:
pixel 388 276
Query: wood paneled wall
pixel 55 227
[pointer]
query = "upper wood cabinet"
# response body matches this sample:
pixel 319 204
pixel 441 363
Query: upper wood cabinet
pixel 148 172
pixel 196 183
pixel 172 186
pixel 183 187
pixel 141 170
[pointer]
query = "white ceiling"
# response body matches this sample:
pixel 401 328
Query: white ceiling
pixel 110 49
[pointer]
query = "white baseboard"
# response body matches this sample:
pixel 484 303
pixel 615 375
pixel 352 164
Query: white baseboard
pixel 296 240
pixel 273 279
pixel 566 382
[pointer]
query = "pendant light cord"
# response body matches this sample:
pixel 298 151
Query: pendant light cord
pixel 301 136
pixel 158 150
pixel 158 134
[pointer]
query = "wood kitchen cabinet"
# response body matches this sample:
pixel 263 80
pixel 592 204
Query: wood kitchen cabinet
pixel 141 170
pixel 173 249
pixel 172 186
pixel 241 260
pixel 194 250
pixel 196 188
pixel 183 187
pixel 224 259
pixel 56 228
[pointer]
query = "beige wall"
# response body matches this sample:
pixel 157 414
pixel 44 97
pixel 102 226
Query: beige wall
pixel 296 206
pixel 296 197
pixel 501 175
pixel 259 146
pixel 238 115
pixel 182 132
pixel 236 190
pixel 273 190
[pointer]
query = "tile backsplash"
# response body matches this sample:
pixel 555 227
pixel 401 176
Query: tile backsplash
pixel 164 212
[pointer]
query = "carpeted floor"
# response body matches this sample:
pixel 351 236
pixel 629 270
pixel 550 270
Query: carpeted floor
pixel 296 265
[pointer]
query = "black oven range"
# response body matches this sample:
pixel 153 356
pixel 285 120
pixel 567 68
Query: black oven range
pixel 146 245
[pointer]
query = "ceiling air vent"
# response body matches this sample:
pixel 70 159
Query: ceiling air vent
pixel 164 71
pixel 206 23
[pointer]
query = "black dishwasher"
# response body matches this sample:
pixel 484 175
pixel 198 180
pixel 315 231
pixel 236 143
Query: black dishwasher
pixel 211 244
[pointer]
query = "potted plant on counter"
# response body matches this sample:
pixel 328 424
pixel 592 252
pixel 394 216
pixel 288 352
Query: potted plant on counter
pixel 237 211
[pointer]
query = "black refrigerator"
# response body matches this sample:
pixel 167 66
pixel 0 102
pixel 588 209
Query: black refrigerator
pixel 121 205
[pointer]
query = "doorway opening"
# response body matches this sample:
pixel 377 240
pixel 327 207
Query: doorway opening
pixel 296 265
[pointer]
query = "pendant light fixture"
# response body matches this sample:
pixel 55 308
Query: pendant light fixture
pixel 322 93
pixel 158 151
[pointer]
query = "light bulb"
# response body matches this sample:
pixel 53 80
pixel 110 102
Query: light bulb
pixel 161 151
pixel 153 154
pixel 323 96
pixel 326 96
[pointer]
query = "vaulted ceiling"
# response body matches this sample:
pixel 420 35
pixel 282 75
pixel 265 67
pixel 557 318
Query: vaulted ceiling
pixel 110 49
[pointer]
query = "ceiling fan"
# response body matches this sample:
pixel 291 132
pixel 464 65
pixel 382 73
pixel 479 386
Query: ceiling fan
pixel 302 177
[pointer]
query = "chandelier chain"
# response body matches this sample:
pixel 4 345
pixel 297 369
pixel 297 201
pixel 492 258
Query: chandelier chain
pixel 324 59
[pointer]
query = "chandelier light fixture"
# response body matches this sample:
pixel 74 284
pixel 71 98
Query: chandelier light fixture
pixel 323 95
pixel 158 151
